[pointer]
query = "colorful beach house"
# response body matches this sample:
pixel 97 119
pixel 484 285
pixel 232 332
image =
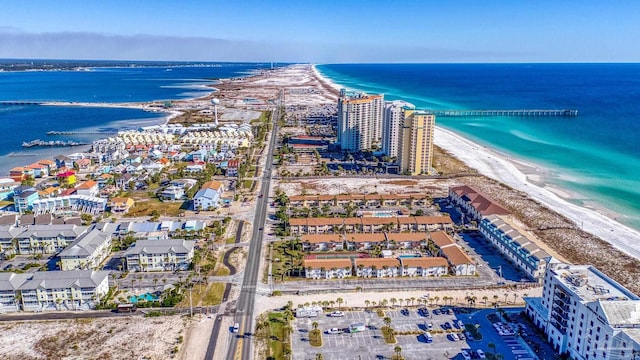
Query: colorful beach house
pixel 121 205
pixel 208 196
pixel 67 178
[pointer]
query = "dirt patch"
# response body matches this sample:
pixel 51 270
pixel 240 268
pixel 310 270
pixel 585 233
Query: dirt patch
pixel 401 182
pixel 105 338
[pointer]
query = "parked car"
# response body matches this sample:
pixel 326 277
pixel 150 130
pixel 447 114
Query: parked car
pixel 461 336
pixel 480 354
pixel 336 314
pixel 404 312
pixel 334 331
pixel 446 325
pixel 465 355
pixel 454 337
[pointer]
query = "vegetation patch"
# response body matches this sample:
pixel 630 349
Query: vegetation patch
pixel 315 337
pixel 388 334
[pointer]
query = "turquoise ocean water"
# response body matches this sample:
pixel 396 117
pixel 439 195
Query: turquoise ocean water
pixel 595 156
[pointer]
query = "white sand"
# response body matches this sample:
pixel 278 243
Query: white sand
pixel 496 166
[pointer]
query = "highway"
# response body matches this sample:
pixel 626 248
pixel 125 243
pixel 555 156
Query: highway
pixel 240 347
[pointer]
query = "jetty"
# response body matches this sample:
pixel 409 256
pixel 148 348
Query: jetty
pixel 38 142
pixel 19 103
pixel 53 132
pixel 460 113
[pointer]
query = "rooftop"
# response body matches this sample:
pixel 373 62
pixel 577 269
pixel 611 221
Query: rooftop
pixel 590 284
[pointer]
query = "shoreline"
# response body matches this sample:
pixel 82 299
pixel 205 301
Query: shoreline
pixel 530 179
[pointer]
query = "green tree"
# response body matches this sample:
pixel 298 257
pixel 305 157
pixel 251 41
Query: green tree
pixel 398 351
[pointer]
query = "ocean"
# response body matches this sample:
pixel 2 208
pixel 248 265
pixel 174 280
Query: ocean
pixel 595 156
pixel 20 123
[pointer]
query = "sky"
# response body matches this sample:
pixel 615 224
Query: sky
pixel 323 31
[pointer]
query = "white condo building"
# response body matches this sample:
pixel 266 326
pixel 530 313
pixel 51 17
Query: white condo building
pixel 392 125
pixel 586 314
pixel 359 120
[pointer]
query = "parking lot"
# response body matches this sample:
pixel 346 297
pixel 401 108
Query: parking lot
pixel 370 344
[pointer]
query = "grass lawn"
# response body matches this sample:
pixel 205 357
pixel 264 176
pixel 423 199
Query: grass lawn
pixel 203 295
pixel 145 206
pixel 388 335
pixel 223 271
pixel 277 324
pixel 315 338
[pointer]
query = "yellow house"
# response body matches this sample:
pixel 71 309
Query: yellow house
pixel 67 178
pixel 121 205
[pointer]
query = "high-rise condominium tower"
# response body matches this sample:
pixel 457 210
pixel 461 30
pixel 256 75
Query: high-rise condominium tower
pixel 359 120
pixel 416 142
pixel 392 126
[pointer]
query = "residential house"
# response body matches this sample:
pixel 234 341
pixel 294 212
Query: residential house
pixel 377 267
pixel 194 168
pixel 159 255
pixel 83 164
pixel 87 252
pixel 50 164
pixel 322 242
pixel 208 196
pixel 63 161
pixel 328 268
pixel 232 168
pixel 24 201
pixel 49 192
pixel 172 193
pixel 433 223
pixel 66 178
pixel 323 225
pixel 7 185
pixel 120 205
pixel 81 203
pixel 88 188
pixel 19 173
pixel 39 170
pixel 104 180
pixel 424 266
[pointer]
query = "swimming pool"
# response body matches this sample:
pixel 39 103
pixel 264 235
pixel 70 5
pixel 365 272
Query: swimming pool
pixel 144 297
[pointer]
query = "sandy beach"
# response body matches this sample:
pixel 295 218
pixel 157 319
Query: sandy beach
pixel 507 171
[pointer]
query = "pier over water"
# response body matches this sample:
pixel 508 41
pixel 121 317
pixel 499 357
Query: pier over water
pixel 456 113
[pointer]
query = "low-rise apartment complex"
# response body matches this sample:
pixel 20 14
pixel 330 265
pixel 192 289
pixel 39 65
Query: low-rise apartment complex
pixel 515 244
pixel 87 252
pixel 52 290
pixel 159 255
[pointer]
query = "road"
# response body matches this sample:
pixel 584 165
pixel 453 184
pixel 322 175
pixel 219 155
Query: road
pixel 211 348
pixel 246 301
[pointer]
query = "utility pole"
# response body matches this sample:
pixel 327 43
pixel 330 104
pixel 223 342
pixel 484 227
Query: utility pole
pixel 190 302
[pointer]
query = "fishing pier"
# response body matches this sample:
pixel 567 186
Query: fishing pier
pixel 460 113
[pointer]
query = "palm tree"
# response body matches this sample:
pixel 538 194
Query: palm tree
pixel 436 299
pixel 495 298
pixel 387 321
pixel 314 325
pixel 400 301
pixel 413 298
pixel 485 298
pixel 332 302
pixel 492 346
pixel 515 296
pixel 505 297
pixel 398 351
pixel 367 303
pixel 319 356
pixel 393 301
pixel 339 301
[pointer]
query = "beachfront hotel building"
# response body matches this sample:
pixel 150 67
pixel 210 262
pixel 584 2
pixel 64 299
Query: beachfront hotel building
pixel 87 252
pixel 587 315
pixel 392 125
pixel 359 120
pixel 159 255
pixel 415 152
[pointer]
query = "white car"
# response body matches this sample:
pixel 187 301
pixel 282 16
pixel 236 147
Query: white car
pixel 454 337
pixel 465 355
pixel 480 354
pixel 337 314
pixel 334 331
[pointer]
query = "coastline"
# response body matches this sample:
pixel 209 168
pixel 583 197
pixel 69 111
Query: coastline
pixel 529 178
